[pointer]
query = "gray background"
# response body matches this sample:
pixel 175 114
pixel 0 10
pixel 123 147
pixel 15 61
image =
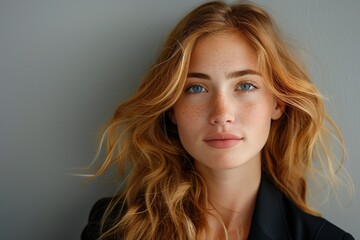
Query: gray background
pixel 65 66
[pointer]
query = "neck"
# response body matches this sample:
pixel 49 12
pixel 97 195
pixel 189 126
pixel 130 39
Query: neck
pixel 232 193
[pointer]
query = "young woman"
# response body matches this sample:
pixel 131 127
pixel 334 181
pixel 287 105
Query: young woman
pixel 219 138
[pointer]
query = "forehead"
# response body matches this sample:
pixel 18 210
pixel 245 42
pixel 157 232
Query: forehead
pixel 225 50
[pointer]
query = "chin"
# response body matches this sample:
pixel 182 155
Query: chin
pixel 225 163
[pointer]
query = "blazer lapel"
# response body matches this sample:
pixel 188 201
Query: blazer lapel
pixel 268 220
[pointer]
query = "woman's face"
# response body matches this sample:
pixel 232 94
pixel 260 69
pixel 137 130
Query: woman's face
pixel 224 113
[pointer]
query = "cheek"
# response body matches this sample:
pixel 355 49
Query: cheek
pixel 190 119
pixel 190 114
pixel 257 115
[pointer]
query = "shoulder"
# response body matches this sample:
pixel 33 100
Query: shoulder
pixel 277 217
pixel 307 226
pixel 92 229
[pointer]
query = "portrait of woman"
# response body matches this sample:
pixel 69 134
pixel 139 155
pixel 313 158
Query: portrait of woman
pixel 220 138
pixel 181 119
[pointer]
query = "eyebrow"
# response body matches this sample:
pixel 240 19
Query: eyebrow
pixel 230 75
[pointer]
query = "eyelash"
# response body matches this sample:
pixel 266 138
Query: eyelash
pixel 191 86
pixel 190 89
pixel 252 86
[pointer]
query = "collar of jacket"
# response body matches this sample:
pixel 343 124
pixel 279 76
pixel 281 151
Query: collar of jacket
pixel 269 219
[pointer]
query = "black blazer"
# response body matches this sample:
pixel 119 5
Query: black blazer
pixel 275 218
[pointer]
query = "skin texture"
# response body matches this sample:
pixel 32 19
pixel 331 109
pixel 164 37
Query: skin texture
pixel 217 103
pixel 223 118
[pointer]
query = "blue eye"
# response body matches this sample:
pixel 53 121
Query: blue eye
pixel 195 89
pixel 246 87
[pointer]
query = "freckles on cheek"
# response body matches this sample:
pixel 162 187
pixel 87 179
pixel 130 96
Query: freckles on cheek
pixel 192 112
pixel 247 111
pixel 255 114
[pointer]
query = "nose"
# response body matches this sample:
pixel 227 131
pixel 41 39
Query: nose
pixel 221 112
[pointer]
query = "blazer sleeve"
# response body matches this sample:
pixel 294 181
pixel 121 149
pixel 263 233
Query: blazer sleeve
pixel 347 236
pixel 330 231
pixel 92 229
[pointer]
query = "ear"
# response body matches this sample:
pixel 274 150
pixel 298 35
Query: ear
pixel 278 109
pixel 171 115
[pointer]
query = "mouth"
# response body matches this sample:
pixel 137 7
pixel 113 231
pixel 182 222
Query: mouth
pixel 222 140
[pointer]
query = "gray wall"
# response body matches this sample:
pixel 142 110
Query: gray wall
pixel 65 65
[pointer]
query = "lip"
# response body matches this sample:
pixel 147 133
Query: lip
pixel 222 140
